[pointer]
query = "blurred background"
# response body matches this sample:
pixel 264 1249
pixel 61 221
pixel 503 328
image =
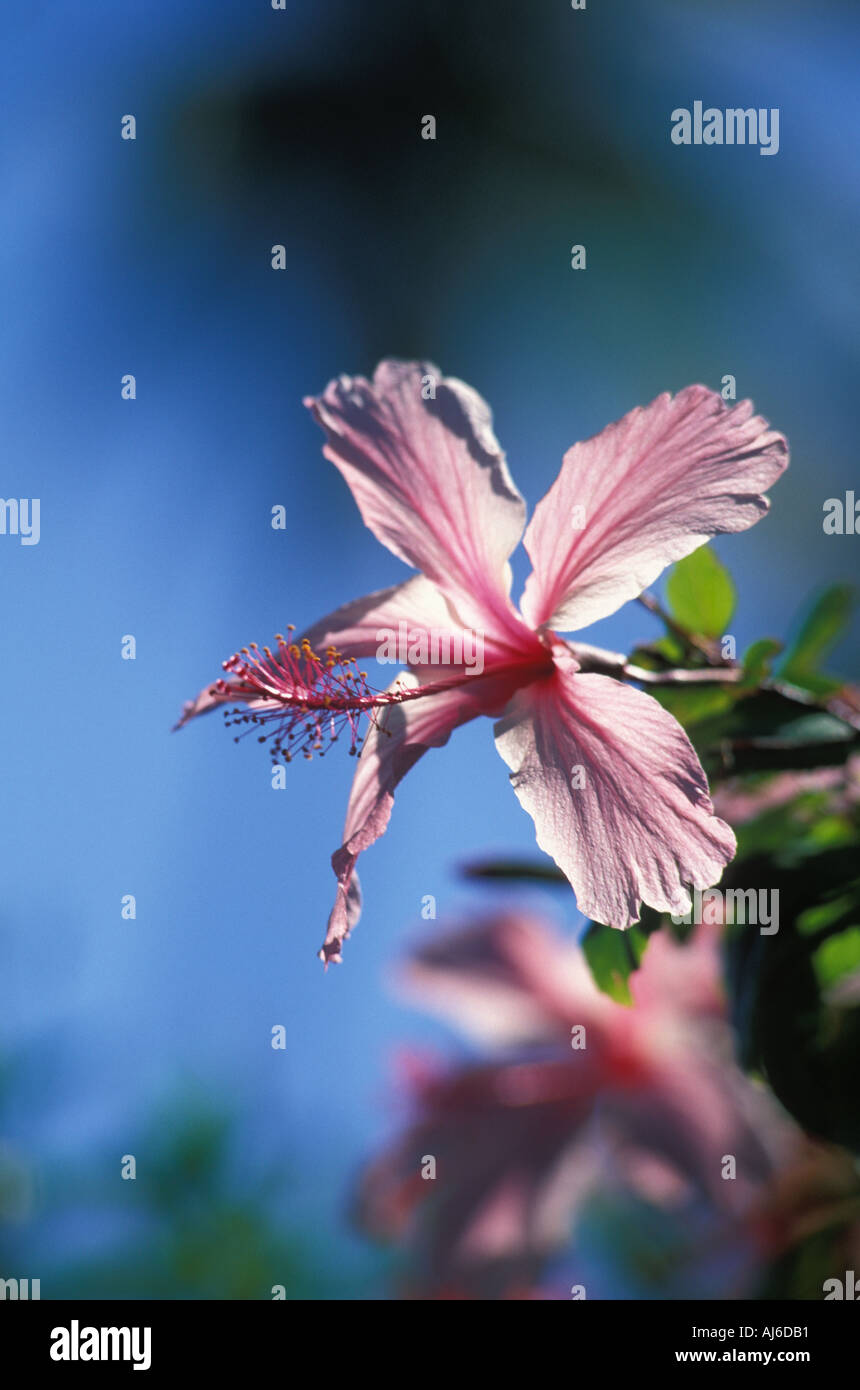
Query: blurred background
pixel 301 127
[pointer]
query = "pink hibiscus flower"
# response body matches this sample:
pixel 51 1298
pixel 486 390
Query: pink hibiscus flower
pixel 635 823
pixel 569 1096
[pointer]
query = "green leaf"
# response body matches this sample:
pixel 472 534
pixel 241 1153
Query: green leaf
pixel 819 631
pixel 692 704
pixel 837 957
pixel 612 956
pixel 764 731
pixel 658 655
pixel 670 649
pixel 700 593
pixel 791 832
pixel 514 870
pixel 830 914
pixel 790 1030
pixel 758 659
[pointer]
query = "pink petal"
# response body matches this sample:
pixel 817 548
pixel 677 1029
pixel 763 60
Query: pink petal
pixel 510 1167
pixel 641 828
pixel 429 478
pixel 643 493
pixel 354 627
pixel 393 745
pixel 416 606
pixel 506 981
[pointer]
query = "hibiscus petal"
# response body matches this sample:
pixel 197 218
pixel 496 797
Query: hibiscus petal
pixel 407 613
pixel 636 824
pixel 512 1166
pixel 643 493
pixel 392 746
pixel 401 734
pixel 429 478
pixel 353 627
pixel 506 981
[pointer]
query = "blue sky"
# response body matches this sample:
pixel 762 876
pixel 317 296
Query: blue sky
pixel 120 257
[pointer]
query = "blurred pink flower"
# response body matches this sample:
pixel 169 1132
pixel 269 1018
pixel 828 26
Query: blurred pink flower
pixel 652 1104
pixel 418 452
pixel 742 799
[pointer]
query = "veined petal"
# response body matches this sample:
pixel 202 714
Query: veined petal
pixel 410 616
pixel 394 743
pixel 643 493
pixel 429 478
pixel 616 792
pixel 354 627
